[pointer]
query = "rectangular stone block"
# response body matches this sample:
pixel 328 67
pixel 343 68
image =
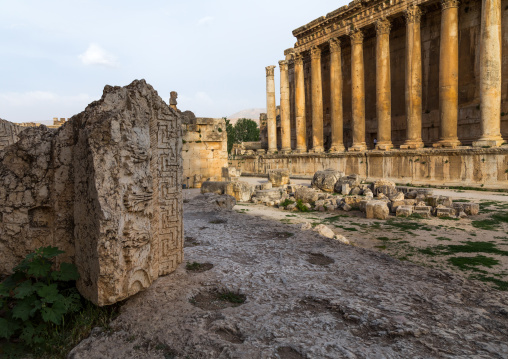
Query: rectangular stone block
pixel 445 212
pixel 404 211
pixel 423 211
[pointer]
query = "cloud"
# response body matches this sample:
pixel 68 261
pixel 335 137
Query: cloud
pixel 37 97
pixel 207 20
pixel 97 56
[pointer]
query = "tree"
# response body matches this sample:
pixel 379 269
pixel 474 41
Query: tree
pixel 231 133
pixel 246 130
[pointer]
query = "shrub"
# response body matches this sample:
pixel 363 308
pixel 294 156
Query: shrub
pixel 36 299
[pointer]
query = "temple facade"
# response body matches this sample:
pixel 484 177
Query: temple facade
pixel 387 74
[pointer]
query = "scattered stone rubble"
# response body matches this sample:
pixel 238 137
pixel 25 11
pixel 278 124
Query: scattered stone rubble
pixel 106 187
pixel 378 200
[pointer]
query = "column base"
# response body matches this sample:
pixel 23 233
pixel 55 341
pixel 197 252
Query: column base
pixel 337 148
pixel 285 151
pixel 489 142
pixel 448 143
pixel 271 152
pixel 317 149
pixel 358 147
pixel 384 146
pixel 412 144
pixel 301 150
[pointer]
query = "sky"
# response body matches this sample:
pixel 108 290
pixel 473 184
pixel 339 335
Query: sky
pixel 57 56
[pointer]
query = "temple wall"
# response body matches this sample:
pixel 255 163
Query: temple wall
pixel 468 128
pixel 205 150
pixel 459 167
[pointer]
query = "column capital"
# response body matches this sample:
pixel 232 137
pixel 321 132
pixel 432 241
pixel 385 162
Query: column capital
pixel 413 14
pixel 298 59
pixel 334 45
pixel 447 4
pixel 315 53
pixel 356 36
pixel 383 26
pixel 283 64
pixel 270 70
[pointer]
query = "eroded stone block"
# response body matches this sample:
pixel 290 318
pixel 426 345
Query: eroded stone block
pixel 377 210
pixel 278 177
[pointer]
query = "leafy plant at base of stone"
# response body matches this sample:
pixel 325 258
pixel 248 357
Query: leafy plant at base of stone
pixel 245 130
pixel 35 299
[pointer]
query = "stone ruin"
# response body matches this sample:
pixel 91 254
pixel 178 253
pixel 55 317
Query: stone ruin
pixel 105 187
pixel 331 190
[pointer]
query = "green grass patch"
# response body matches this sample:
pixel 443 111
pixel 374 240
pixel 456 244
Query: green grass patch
pixel 334 218
pixel 380 247
pixel 406 225
pixel 350 229
pixel 300 206
pixel 232 297
pixel 486 224
pixel 447 218
pixel 383 239
pixel 443 239
pixel 500 284
pixel 471 263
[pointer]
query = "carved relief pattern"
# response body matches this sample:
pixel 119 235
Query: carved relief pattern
pixel 447 4
pixel 356 36
pixel 413 14
pixel 298 59
pixel 383 26
pixel 168 202
pixel 270 71
pixel 315 53
pixel 335 45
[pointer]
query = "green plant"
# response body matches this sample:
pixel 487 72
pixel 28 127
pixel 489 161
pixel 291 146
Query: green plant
pixel 232 297
pixel 301 207
pixel 194 266
pixel 286 202
pixel 36 299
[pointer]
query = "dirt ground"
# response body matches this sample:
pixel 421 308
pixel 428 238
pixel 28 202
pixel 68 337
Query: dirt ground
pixel 259 287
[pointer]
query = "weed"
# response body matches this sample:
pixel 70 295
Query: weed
pixel 194 266
pixel 383 239
pixel 300 206
pixel 286 202
pixel 232 297
pixel 500 284
pixel 448 218
pixel 381 247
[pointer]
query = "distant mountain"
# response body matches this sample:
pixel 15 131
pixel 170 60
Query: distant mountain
pixel 251 113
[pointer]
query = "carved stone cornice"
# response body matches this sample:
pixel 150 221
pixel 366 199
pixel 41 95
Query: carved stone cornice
pixel 283 64
pixel 356 36
pixel 298 59
pixel 334 45
pixel 447 4
pixel 383 26
pixel 413 14
pixel 315 53
pixel 270 71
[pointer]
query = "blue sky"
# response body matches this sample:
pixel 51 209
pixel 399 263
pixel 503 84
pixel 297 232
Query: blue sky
pixel 56 56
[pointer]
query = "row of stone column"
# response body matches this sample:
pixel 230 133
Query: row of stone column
pixel 490 86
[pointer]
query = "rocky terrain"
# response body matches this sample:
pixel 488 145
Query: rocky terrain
pixel 258 288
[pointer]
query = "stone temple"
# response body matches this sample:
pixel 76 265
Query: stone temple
pixel 410 81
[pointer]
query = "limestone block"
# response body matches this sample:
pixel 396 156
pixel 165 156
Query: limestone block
pixel 325 231
pixel 325 180
pixel 215 187
pixel 278 177
pixel 355 191
pixel 226 202
pixel 396 204
pixel 397 197
pixel 264 185
pixel 437 200
pixel 404 211
pixel 470 209
pixel 363 205
pixel 242 191
pixel 268 195
pixel 306 194
pixel 345 189
pixel 351 180
pixel 445 212
pixel 228 173
pixel 353 201
pixel 385 184
pixel 8 133
pixel 411 195
pixel 342 239
pixel 423 211
pixel 105 187
pixel 377 210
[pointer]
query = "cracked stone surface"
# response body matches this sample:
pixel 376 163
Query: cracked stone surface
pixel 355 304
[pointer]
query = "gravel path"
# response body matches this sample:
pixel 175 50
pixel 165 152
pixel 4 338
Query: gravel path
pixel 306 297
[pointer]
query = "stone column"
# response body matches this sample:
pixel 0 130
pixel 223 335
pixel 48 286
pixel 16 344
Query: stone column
pixel 490 75
pixel 301 125
pixel 413 78
pixel 358 91
pixel 284 108
pixel 383 86
pixel 317 100
pixel 336 96
pixel 449 74
pixel 270 109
